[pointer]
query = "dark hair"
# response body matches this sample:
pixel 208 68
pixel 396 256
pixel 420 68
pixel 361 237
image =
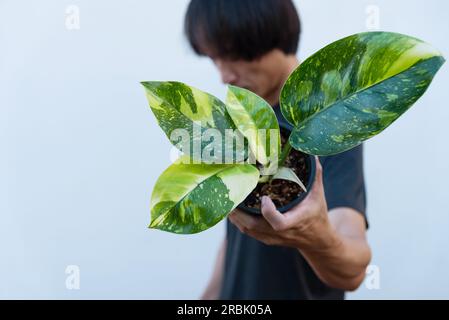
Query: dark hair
pixel 242 29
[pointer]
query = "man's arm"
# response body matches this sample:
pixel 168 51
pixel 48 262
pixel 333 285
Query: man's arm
pixel 343 264
pixel 214 286
pixel 334 243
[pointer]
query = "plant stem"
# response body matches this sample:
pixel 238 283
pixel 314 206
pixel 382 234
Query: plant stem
pixel 285 152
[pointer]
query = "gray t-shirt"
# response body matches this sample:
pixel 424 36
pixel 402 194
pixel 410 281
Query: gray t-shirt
pixel 254 270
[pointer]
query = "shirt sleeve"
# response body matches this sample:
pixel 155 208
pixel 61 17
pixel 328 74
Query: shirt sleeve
pixel 343 180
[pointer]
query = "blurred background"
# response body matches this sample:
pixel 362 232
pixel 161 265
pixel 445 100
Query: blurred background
pixel 80 151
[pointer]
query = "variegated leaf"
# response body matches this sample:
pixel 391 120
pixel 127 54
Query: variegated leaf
pixel 256 120
pixel 190 198
pixel 184 110
pixel 354 88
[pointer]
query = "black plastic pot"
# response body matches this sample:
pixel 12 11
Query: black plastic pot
pixel 311 165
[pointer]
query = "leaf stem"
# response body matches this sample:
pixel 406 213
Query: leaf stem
pixel 285 152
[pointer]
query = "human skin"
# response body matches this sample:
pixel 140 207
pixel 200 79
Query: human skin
pixel 332 241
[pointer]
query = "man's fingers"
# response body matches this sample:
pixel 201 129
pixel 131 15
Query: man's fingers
pixel 246 222
pixel 318 183
pixel 317 188
pixel 257 228
pixel 316 194
pixel 272 215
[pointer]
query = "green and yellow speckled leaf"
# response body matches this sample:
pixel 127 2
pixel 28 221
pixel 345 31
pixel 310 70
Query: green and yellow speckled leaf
pixel 179 106
pixel 254 117
pixel 354 88
pixel 190 198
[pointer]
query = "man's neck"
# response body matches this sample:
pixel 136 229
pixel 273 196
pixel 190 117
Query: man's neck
pixel 289 64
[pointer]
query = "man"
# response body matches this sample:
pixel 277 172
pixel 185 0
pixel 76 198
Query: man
pixel 317 250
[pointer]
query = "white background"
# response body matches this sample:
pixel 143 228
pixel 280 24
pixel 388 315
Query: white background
pixel 80 151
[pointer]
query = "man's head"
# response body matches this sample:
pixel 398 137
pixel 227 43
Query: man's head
pixel 252 42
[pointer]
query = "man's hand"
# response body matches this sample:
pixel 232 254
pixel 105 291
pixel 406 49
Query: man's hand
pixel 306 226
pixel 333 243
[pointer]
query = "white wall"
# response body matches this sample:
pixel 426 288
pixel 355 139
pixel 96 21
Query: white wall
pixel 80 151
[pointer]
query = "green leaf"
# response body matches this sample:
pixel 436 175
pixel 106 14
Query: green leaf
pixel 285 173
pixel 190 198
pixel 354 88
pixel 179 106
pixel 254 117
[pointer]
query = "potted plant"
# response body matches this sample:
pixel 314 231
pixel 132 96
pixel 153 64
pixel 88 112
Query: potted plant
pixel 344 94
